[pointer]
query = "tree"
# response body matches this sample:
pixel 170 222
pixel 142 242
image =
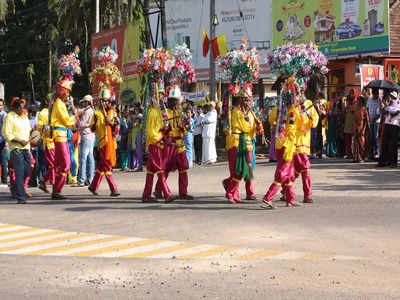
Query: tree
pixel 7 6
pixel 30 71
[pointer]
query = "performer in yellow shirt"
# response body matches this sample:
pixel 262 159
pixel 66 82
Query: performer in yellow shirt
pixel 174 151
pixel 60 122
pixel 104 124
pixel 48 147
pixel 238 126
pixel 287 117
pixel 155 163
pixel 309 119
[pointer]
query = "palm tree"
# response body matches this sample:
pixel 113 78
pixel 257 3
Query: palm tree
pixel 7 6
pixel 30 71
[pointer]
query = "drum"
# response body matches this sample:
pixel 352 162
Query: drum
pixel 35 139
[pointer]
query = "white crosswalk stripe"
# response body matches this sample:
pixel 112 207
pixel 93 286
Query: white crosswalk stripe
pixel 56 244
pixel 24 234
pixel 37 239
pixel 183 252
pixel 137 249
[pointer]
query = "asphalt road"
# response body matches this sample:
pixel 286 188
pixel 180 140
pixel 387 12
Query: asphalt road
pixel 344 246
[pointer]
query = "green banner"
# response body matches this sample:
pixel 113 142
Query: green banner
pixel 339 27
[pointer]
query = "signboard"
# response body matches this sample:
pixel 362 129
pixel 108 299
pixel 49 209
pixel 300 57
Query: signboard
pixel 241 19
pixel 369 73
pixel 339 27
pixel 124 41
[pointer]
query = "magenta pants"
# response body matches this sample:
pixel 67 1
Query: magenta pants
pixel 49 156
pixel 104 168
pixel 284 177
pixel 155 165
pixel 302 167
pixel 62 164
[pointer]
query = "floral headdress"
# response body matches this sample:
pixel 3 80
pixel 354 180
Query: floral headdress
pixel 106 73
pixel 69 65
pixel 300 60
pixel 182 70
pixel 242 68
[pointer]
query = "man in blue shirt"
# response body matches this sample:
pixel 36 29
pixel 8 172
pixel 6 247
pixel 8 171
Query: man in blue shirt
pixel 3 146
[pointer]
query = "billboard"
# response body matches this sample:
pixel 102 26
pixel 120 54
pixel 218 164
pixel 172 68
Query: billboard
pixel 241 19
pixel 339 27
pixel 124 40
pixel 370 73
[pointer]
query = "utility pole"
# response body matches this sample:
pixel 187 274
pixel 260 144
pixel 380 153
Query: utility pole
pixel 97 16
pixel 212 62
pixel 163 25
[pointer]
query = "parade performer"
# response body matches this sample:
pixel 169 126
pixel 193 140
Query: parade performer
pixel 175 150
pixel 175 69
pixel 60 121
pixel 155 128
pixel 301 159
pixel 105 121
pixel 241 67
pixel 48 146
pixel 256 128
pixel 296 64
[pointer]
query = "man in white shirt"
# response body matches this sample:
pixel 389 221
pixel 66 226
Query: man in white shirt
pixel 373 107
pixel 197 132
pixel 209 155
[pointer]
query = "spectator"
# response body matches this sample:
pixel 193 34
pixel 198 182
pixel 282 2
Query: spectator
pixel 339 111
pixel 136 141
pixel 361 128
pixel 123 144
pixel 391 118
pixel 86 158
pixel 321 107
pixel 33 181
pixel 198 140
pixel 16 131
pixel 3 145
pixel 373 107
pixel 209 151
pixel 349 122
pixel 188 139
pixel 331 145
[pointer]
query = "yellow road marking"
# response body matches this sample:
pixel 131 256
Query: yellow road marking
pixel 7 226
pixel 18 231
pixel 60 239
pixel 73 246
pixel 206 253
pixel 31 236
pixel 316 256
pixel 260 254
pixel 115 248
pixel 161 250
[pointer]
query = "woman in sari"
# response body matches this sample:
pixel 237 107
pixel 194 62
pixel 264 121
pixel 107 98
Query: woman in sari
pixel 360 126
pixel 331 146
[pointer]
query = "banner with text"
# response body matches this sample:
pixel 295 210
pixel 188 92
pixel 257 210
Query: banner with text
pixel 370 73
pixel 339 27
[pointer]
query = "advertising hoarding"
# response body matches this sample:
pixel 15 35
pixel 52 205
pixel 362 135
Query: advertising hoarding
pixel 370 73
pixel 339 27
pixel 239 20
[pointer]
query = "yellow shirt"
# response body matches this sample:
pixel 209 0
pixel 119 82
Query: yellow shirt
pixel 303 129
pixel 154 125
pixel 175 119
pixel 238 125
pixel 252 133
pixel 100 130
pixel 43 120
pixel 289 138
pixel 16 126
pixel 272 117
pixel 61 119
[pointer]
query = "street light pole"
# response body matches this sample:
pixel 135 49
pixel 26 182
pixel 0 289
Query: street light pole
pixel 97 16
pixel 212 62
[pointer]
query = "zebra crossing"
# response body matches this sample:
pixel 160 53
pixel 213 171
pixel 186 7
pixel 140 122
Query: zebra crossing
pixel 25 240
